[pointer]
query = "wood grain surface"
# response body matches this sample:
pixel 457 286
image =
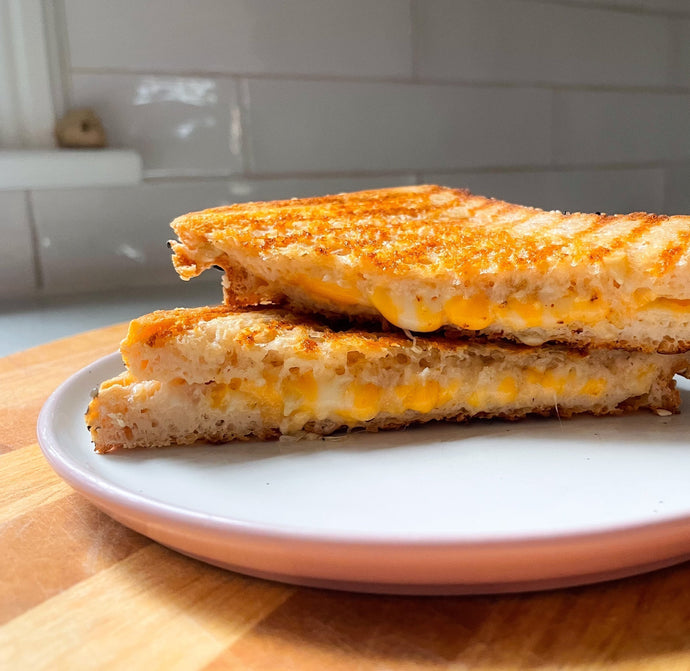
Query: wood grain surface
pixel 80 591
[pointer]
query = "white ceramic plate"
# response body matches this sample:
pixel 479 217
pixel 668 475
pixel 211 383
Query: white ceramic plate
pixel 450 508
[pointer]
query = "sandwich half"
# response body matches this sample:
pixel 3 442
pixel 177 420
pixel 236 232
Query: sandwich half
pixel 426 257
pixel 219 374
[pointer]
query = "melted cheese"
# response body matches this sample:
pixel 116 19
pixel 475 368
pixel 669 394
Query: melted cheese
pixel 365 401
pixel 594 387
pixel 587 310
pixel 473 313
pixel 331 291
pixel 476 311
pixel 478 398
pixel 556 382
pixel 429 317
pixel 397 312
pixel 502 394
pixel 300 392
pixel 300 396
pixel 519 314
pixel 419 397
pixel 254 392
pixel 668 305
pixel 508 389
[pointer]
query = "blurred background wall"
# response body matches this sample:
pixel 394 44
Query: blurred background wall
pixel 562 104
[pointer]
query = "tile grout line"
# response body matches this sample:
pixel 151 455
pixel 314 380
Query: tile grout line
pixel 414 81
pixel 414 42
pixel 620 9
pixel 35 245
pixel 244 105
pixel 414 171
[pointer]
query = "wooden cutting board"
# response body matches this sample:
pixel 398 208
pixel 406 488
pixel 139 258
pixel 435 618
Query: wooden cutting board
pixel 80 591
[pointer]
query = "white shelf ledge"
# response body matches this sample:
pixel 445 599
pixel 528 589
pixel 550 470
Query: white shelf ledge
pixel 68 168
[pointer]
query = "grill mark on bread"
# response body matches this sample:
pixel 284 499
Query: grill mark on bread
pixel 670 255
pixel 162 325
pixel 396 229
pixel 646 223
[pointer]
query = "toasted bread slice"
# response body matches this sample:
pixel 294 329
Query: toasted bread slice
pixel 426 257
pixel 217 374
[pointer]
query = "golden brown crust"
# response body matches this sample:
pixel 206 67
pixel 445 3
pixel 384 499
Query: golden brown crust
pixel 156 328
pixel 162 327
pixel 428 227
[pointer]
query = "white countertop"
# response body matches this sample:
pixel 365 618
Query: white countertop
pixel 36 321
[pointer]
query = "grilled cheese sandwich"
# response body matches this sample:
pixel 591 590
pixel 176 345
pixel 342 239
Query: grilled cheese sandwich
pixel 427 257
pixel 219 374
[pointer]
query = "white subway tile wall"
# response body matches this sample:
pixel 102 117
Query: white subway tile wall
pixel 561 104
pixel 509 41
pixel 675 6
pixel 17 263
pixel 677 189
pixel 347 38
pixel 602 127
pixel 181 126
pixel 681 56
pixel 570 190
pixel 372 126
pixel 102 238
pixel 276 189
